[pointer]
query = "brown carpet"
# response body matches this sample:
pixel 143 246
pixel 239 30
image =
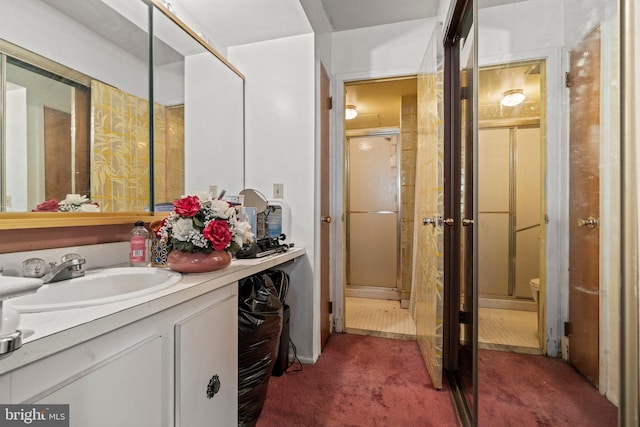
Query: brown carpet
pixel 359 381
pixel 523 390
pixel 371 381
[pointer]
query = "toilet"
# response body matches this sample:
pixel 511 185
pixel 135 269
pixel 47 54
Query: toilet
pixel 534 284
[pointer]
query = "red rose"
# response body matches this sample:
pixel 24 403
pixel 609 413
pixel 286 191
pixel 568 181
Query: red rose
pixel 188 206
pixel 48 206
pixel 218 233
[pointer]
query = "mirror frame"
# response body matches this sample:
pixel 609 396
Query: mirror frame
pixel 35 220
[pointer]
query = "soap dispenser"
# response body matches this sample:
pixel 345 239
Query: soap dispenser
pixel 138 238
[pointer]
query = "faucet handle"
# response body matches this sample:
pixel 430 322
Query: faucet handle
pixel 34 267
pixel 69 257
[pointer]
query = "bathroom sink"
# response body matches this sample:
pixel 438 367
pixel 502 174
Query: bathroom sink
pixel 95 288
pixel 15 286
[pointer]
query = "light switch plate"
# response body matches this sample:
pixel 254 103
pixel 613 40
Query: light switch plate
pixel 278 191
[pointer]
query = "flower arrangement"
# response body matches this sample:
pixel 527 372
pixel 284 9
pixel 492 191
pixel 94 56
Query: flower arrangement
pixel 72 203
pixel 203 226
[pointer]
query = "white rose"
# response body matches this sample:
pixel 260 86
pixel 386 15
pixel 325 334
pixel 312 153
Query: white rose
pixel 243 232
pixel 182 228
pixel 203 195
pixel 89 207
pixel 74 199
pixel 221 209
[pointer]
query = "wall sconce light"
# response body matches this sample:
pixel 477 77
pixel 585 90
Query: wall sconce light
pixel 350 112
pixel 512 97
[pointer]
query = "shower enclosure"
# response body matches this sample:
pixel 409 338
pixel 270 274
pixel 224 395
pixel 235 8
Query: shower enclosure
pixel 373 216
pixel 509 210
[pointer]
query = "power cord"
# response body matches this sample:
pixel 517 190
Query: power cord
pixel 295 362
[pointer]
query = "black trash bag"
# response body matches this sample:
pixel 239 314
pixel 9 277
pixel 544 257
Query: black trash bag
pixel 259 327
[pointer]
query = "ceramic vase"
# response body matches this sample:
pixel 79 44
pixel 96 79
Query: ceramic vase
pixel 198 262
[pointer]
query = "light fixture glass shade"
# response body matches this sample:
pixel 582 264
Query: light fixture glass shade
pixel 512 97
pixel 350 112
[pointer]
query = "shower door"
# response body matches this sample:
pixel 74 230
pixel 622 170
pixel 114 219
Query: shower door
pixel 509 220
pixel 373 216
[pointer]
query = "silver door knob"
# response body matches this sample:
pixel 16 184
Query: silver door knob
pixel 590 222
pixel 326 219
pixel 467 222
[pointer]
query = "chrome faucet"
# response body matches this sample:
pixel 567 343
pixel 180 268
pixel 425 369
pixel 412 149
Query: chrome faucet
pixel 69 268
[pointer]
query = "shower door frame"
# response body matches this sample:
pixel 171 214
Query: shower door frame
pixel 513 126
pixel 373 291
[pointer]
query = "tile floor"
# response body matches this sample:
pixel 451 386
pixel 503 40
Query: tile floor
pixel 377 317
pixel 506 330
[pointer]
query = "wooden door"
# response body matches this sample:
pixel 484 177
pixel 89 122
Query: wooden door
pixel 82 169
pixel 325 209
pixel 57 154
pixel 584 196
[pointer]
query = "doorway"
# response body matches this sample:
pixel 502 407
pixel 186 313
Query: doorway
pixel 379 171
pixel 511 152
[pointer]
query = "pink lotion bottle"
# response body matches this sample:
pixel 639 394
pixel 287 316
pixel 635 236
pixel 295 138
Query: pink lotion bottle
pixel 138 239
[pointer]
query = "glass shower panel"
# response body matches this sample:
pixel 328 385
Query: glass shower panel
pixel 527 173
pixel 373 174
pixel 494 156
pixel 373 249
pixel 528 209
pixel 373 211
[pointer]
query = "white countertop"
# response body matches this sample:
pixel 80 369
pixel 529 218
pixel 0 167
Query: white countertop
pixel 46 333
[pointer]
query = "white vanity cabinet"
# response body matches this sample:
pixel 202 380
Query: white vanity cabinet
pixel 123 391
pixel 206 366
pixel 152 372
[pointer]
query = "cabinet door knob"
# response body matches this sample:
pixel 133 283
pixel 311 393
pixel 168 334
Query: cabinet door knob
pixel 326 219
pixel 213 387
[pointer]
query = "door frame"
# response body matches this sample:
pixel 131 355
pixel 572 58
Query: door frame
pixel 467 411
pixel 338 202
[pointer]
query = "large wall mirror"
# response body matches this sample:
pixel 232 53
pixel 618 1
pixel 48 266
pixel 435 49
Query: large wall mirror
pixel 75 93
pixel 198 98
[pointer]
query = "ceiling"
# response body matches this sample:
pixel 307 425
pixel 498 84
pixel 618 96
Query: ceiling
pixel 237 22
pixel 351 14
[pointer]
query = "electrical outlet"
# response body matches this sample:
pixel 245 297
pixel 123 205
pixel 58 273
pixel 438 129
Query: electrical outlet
pixel 278 190
pixel 213 190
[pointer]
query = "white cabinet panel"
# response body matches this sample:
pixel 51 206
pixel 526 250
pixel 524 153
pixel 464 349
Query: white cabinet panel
pixel 123 391
pixel 206 345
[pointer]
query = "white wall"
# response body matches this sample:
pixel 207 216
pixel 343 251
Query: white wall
pixel 392 48
pixel 16 148
pixel 213 126
pixel 280 147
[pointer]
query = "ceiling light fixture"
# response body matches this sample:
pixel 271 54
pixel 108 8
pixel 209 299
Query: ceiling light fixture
pixel 350 112
pixel 512 97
